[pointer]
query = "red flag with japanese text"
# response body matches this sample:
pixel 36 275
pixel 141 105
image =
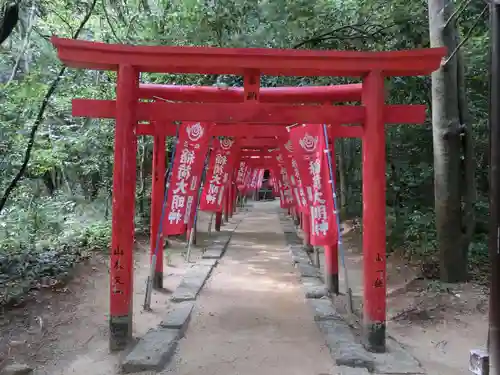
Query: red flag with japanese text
pixel 255 176
pixel 309 147
pixel 286 195
pixel 247 179
pixel 191 149
pixel 240 175
pixel 274 167
pixel 220 166
pixel 273 183
pixel 292 170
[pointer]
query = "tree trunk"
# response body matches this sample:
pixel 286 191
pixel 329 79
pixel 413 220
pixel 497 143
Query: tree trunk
pixel 469 162
pixel 453 221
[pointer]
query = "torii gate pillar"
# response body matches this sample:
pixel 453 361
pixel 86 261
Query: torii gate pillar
pixel 122 239
pixel 374 231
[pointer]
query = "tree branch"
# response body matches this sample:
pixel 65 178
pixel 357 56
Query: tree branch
pixel 457 12
pixel 70 28
pixel 109 22
pixel 466 38
pixel 40 117
pixel 330 34
pixel 325 34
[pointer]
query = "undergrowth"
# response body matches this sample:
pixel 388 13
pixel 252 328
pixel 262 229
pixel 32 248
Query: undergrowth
pixel 41 242
pixel 414 233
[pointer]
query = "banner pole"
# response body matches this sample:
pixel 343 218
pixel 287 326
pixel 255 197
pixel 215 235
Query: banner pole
pixel 337 217
pixel 149 281
pixel 197 206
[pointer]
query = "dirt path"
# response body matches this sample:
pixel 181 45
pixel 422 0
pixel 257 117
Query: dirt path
pixel 251 317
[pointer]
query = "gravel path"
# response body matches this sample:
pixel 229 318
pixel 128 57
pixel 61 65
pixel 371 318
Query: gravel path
pixel 251 317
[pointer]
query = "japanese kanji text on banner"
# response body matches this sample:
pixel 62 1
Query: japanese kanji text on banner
pixel 309 146
pixel 192 146
pixel 221 165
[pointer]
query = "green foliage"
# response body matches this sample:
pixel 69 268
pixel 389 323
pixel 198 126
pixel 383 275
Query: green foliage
pixel 42 240
pixel 61 208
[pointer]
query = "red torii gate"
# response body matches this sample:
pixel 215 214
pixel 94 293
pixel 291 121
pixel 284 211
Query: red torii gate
pixel 251 63
pixel 310 94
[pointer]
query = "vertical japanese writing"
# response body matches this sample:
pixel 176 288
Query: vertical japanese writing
pixel 220 168
pixel 241 173
pixel 310 168
pixel 379 279
pixel 187 168
pixel 178 205
pixel 254 179
pixel 299 190
pixel 285 181
pixel 288 163
pixel 215 183
pixel 319 215
pixel 117 264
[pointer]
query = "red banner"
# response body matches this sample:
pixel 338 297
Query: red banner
pixel 220 166
pixel 277 185
pixel 299 190
pixel 309 144
pixel 294 176
pixel 240 176
pixel 274 183
pixel 286 195
pixel 255 176
pixel 247 179
pixel 191 149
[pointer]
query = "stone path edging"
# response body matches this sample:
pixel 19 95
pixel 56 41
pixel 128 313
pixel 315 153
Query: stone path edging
pixel 344 348
pixel 154 351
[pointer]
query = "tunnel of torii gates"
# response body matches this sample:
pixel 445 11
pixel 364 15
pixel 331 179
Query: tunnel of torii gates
pixel 246 114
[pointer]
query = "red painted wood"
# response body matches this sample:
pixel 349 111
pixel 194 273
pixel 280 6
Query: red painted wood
pixel 374 220
pixel 263 113
pixel 393 114
pixel 209 94
pixel 331 250
pixel 157 197
pixel 210 60
pixel 121 265
pixel 241 130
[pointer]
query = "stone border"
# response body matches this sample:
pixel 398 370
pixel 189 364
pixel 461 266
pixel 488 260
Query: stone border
pixel 155 349
pixel 193 280
pixel 345 349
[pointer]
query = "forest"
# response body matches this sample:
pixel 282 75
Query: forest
pixel 56 170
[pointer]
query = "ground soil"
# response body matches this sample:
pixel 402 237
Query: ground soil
pixel 63 329
pixel 438 323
